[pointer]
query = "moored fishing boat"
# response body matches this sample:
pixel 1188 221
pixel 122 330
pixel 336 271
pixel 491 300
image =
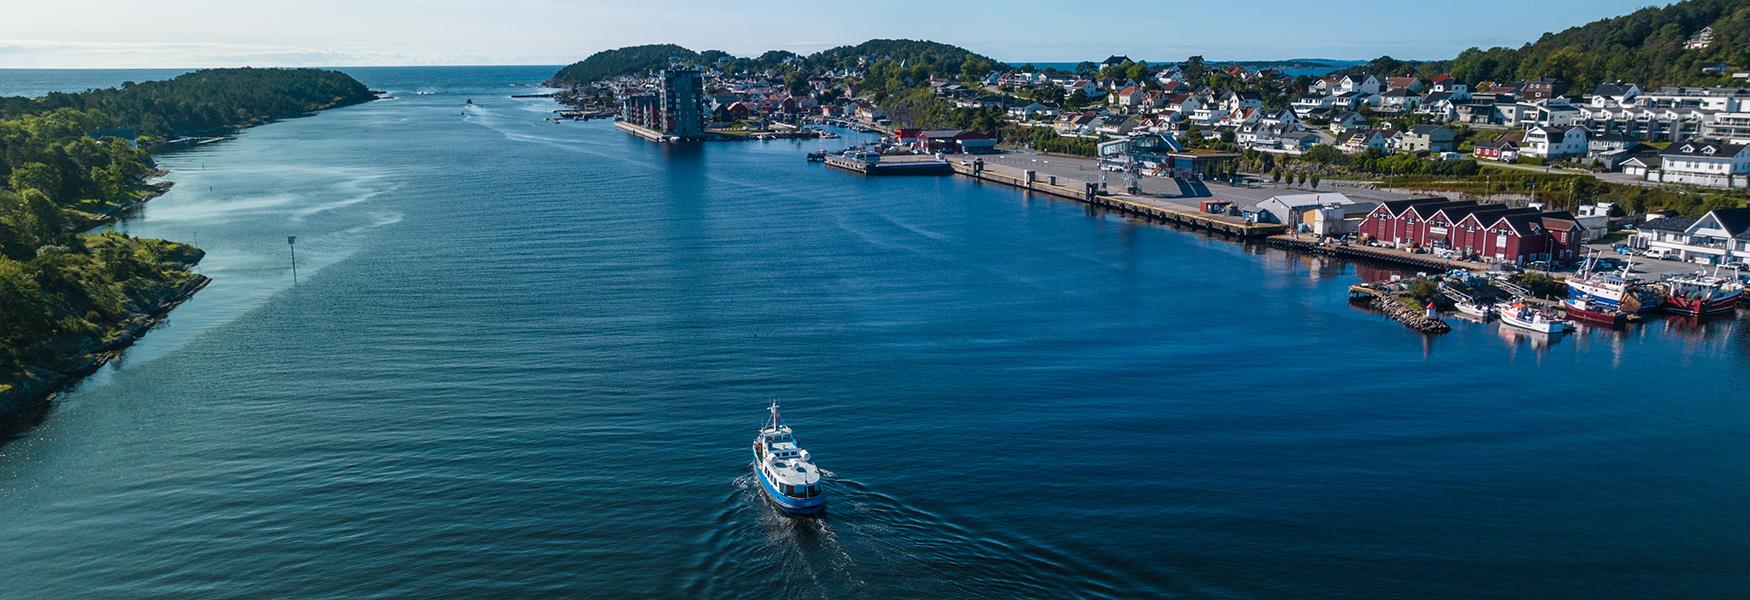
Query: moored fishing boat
pixel 1615 290
pixel 1701 295
pixel 1525 316
pixel 786 472
pixel 1474 309
pixel 1583 310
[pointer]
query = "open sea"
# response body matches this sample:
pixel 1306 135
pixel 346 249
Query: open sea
pixel 525 359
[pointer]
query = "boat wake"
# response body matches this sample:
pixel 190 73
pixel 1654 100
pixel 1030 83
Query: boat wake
pixel 873 544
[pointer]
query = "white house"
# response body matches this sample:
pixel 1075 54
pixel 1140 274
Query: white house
pixel 1348 121
pixel 1399 100
pixel 1717 237
pixel 1554 141
pixel 1304 105
pixel 1356 142
pixel 1237 101
pixel 1704 162
pixel 1366 84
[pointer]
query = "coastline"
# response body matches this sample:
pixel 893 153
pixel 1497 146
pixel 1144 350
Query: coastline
pixel 43 383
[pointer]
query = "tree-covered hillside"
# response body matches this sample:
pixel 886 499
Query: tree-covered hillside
pixel 915 60
pixel 609 64
pixel 205 101
pixel 1645 47
pixel 61 292
pixel 914 56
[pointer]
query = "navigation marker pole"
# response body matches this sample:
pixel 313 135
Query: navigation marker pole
pixel 292 242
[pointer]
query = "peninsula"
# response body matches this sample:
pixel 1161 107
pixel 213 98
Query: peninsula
pixel 74 299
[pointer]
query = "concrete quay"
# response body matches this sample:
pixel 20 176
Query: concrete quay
pixel 1182 213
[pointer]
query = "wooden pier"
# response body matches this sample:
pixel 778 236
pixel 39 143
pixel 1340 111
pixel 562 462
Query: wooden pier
pixel 1228 225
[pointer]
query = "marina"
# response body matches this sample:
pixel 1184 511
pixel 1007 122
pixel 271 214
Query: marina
pixel 600 378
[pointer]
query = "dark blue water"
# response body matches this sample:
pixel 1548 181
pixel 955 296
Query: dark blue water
pixel 526 359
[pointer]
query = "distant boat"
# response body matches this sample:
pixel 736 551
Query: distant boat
pixel 786 471
pixel 1524 316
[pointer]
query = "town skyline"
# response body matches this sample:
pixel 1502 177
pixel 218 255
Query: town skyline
pixel 205 33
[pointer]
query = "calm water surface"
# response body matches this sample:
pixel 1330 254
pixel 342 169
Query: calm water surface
pixel 525 360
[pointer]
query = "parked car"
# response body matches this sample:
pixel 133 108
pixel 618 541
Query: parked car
pixel 1607 264
pixel 1659 253
pixel 1624 250
pixel 1736 264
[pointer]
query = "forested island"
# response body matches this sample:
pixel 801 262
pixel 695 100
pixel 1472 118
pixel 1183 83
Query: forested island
pixel 70 160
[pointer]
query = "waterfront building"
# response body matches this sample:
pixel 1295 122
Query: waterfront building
pixel 682 96
pixel 1325 214
pixel 678 108
pixel 1718 237
pixel 1491 232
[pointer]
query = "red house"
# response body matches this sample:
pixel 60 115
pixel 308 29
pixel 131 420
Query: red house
pixel 1565 235
pixel 1390 221
pixel 1495 150
pixel 1490 232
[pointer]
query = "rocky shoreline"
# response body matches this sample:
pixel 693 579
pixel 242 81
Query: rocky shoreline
pixel 48 381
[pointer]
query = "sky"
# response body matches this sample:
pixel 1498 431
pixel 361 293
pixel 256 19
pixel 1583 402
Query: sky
pixel 215 33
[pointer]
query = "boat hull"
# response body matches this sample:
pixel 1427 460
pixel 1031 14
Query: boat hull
pixel 794 506
pixel 1696 308
pixel 1607 317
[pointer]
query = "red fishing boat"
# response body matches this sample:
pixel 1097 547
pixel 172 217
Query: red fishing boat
pixel 1702 295
pixel 1594 313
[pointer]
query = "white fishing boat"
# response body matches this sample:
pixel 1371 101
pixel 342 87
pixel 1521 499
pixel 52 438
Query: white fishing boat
pixel 1525 316
pixel 1473 309
pixel 786 471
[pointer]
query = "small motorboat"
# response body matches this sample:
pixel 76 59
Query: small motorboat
pixel 786 471
pixel 1473 309
pixel 1524 316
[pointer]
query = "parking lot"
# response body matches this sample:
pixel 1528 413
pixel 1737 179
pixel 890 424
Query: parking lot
pixel 1647 267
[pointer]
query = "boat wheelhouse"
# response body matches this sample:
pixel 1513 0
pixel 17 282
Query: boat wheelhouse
pixel 1614 290
pixel 786 471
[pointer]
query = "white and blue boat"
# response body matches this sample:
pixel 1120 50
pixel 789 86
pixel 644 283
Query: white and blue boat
pixel 1615 291
pixel 786 471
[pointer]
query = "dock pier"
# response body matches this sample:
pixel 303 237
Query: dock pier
pixel 643 132
pixel 890 165
pixel 1140 206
